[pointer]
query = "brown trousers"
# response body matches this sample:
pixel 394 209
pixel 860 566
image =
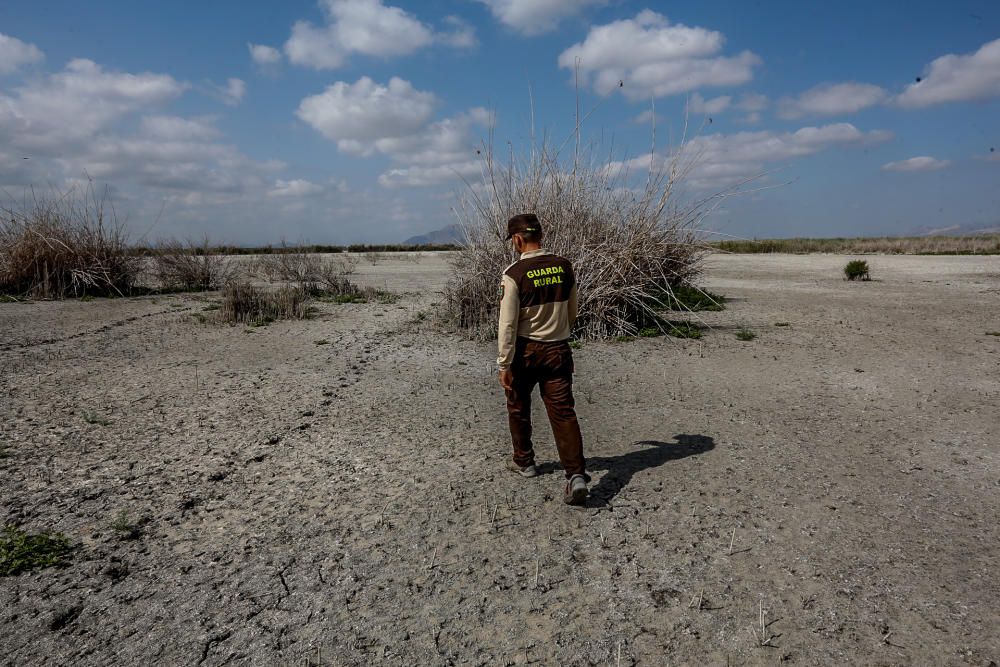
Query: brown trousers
pixel 550 366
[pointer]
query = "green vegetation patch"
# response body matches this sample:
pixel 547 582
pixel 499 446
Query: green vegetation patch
pixel 691 298
pixel 21 552
pixel 745 334
pixel 682 329
pixel 857 269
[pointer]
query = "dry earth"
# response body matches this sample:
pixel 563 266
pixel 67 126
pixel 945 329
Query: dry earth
pixel 346 504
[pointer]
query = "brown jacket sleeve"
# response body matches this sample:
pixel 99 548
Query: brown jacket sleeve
pixel 510 307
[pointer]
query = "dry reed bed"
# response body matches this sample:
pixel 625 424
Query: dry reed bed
pixel 630 246
pixel 930 245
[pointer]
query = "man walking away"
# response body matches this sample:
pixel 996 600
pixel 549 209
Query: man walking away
pixel 538 302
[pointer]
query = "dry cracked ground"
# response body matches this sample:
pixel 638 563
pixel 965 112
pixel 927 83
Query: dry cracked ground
pixel 332 491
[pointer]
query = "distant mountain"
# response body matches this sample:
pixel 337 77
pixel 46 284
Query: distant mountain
pixel 449 234
pixel 958 230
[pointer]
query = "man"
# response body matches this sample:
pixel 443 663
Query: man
pixel 538 302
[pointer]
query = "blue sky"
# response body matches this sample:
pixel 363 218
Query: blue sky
pixel 342 121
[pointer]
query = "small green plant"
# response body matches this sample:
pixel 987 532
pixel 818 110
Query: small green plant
pixel 745 334
pixel 682 330
pixel 92 417
pixel 624 339
pixel 576 344
pixel 21 552
pixel 692 299
pixel 381 296
pixel 200 317
pixel 857 269
pixel 782 324
pixel 125 528
pixel 86 297
pixel 322 341
pixel 649 332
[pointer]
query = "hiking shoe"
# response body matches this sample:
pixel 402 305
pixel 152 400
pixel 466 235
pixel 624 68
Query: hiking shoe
pixel 526 471
pixel 576 490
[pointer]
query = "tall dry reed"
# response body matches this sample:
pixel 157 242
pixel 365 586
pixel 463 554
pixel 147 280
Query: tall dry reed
pixel 630 244
pixel 65 244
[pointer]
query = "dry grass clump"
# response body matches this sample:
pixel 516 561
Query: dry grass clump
pixel 190 266
pixel 630 246
pixel 244 303
pixel 66 244
pixel 314 273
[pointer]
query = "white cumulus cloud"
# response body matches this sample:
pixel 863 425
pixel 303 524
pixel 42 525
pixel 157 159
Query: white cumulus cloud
pixel 73 105
pixel 460 33
pixel 264 55
pixel 176 128
pixel 720 160
pixel 366 27
pixel 648 56
pixel 534 17
pixel 356 115
pixel 920 163
pixel 233 92
pixel 294 188
pixel 957 78
pixel 832 98
pixel 698 104
pixel 15 54
pixel 423 176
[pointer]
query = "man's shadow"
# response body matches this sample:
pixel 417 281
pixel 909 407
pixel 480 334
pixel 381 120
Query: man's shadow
pixel 654 454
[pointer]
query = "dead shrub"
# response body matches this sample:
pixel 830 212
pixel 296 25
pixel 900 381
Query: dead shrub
pixel 190 266
pixel 66 244
pixel 313 272
pixel 244 303
pixel 630 246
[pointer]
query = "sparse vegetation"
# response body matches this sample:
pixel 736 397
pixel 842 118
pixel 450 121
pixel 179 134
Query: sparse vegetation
pixel 682 329
pixel 744 333
pixel 690 298
pixel 65 245
pixel 22 552
pixel 985 244
pixel 124 527
pixel 576 344
pixel 857 269
pixel 627 245
pixel 245 304
pixel 993 333
pixel 313 273
pixel 189 266
pixel 782 324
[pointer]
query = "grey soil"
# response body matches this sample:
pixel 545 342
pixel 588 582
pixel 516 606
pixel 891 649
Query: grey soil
pixel 347 504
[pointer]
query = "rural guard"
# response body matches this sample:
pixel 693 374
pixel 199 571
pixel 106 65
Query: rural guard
pixel 538 304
